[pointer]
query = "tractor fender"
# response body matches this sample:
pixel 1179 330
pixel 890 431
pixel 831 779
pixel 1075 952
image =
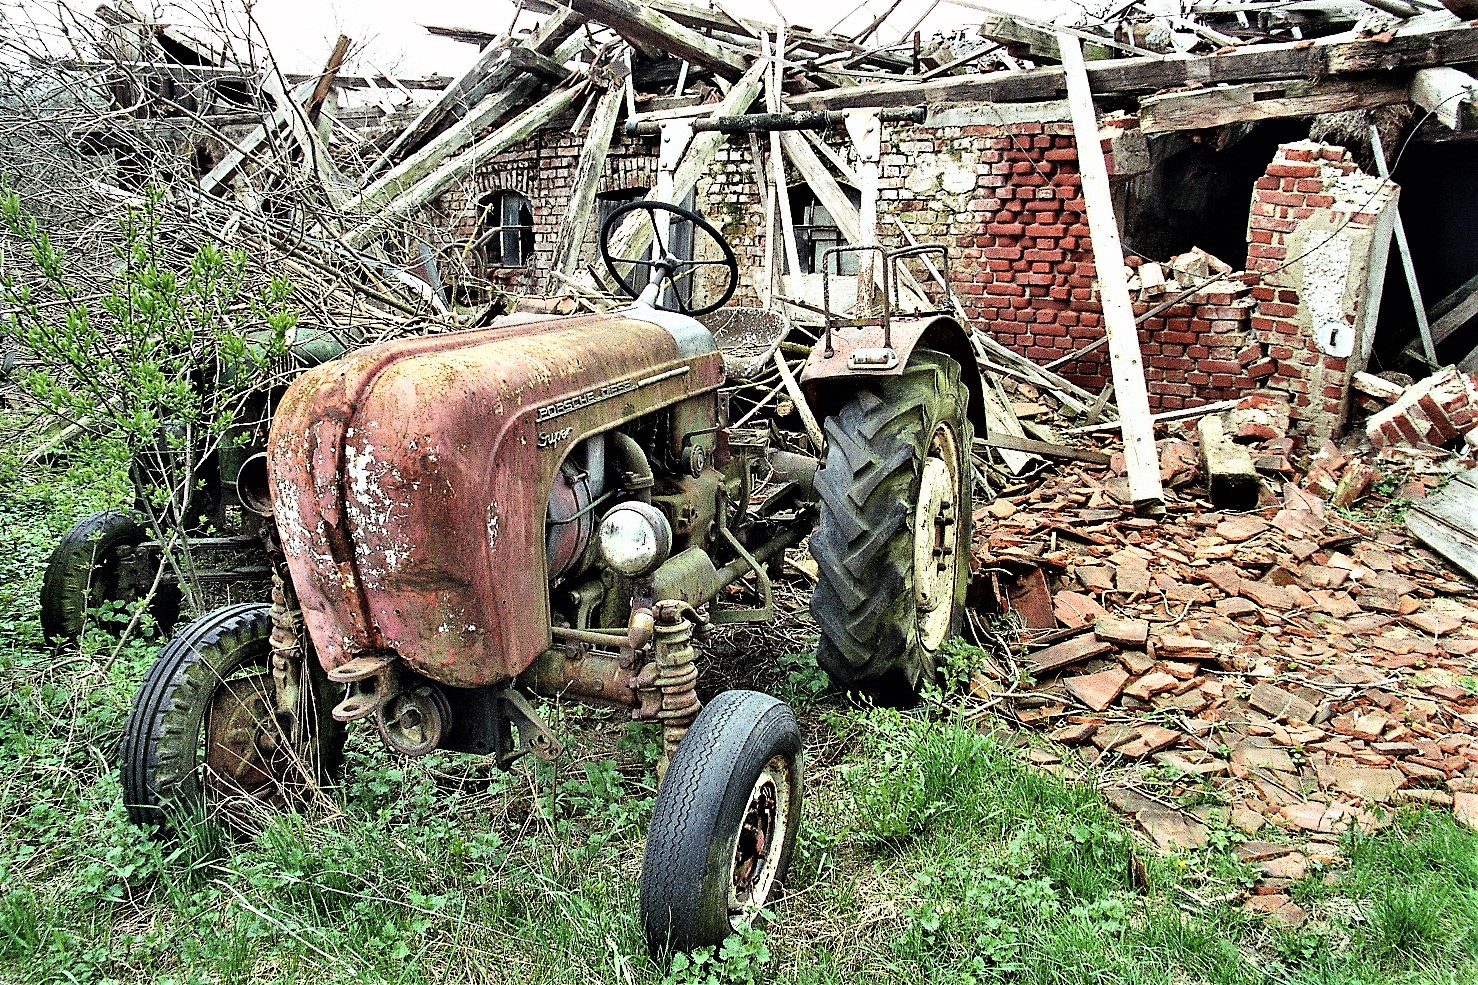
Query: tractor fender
pixel 828 382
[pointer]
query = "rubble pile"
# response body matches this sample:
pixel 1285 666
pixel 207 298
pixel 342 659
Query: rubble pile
pixel 1311 670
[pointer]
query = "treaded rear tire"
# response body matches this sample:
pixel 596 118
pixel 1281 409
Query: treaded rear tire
pixel 82 573
pixel 161 754
pixel 701 805
pixel 864 602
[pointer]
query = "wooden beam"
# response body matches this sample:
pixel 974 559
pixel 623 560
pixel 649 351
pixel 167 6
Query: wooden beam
pixel 494 66
pixel 1452 43
pixel 1045 448
pixel 587 179
pixel 1220 105
pixel 425 191
pixel 1424 330
pixel 1454 311
pixel 326 78
pixel 249 143
pixel 1449 95
pixel 1232 482
pixel 405 174
pixel 643 25
pixel 1034 42
pixel 1142 460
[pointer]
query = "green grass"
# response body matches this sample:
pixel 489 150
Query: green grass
pixel 930 853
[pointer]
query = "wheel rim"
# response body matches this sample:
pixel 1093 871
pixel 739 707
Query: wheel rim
pixel 936 532
pixel 760 839
pixel 247 759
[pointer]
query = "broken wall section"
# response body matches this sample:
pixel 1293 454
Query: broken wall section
pixel 1320 233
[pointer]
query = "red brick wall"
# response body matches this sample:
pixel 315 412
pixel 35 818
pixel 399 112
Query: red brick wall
pixel 1023 265
pixel 1308 187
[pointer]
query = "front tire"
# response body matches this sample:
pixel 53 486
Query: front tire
pixel 89 566
pixel 892 546
pixel 724 825
pixel 202 735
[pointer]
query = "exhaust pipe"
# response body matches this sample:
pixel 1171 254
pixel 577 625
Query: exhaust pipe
pixel 253 489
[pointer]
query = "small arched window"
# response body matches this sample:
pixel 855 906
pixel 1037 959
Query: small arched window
pixel 505 229
pixel 816 232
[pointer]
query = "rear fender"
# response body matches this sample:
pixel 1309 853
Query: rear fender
pixel 829 382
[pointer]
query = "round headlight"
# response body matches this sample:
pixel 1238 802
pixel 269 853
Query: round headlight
pixel 635 538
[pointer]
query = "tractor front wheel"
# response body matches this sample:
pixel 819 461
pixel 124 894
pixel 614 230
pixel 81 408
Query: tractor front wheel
pixel 94 563
pixel 204 737
pixel 724 824
pixel 892 546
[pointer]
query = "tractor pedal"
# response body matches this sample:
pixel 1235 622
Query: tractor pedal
pixel 361 668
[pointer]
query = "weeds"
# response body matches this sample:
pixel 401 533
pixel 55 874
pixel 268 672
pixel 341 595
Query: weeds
pixel 929 852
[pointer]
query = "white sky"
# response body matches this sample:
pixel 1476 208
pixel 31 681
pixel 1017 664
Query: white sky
pixel 388 34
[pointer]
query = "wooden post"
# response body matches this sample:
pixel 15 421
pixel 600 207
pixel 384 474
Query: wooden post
pixel 1428 348
pixel 773 82
pixel 866 130
pixel 587 178
pixel 636 232
pixel 1140 456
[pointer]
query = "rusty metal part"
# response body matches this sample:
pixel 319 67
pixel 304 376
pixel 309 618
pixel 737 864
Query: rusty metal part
pixel 533 735
pixel 253 491
pixel 901 335
pixel 755 833
pixel 414 722
pixel 676 680
pixel 588 676
pixel 409 480
pixel 373 680
pixel 240 739
pixel 287 657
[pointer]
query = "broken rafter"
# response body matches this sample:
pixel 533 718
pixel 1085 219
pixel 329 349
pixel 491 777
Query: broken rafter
pixel 1221 105
pixel 429 188
pixel 493 69
pixel 643 25
pixel 1450 43
pixel 587 178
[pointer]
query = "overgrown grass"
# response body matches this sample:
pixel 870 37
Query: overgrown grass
pixel 930 853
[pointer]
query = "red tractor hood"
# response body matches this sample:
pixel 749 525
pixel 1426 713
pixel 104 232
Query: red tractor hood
pixel 410 480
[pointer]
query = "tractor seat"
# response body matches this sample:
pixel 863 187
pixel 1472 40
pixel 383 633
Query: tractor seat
pixel 747 337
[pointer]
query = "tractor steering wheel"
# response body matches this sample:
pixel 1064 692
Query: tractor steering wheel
pixel 665 265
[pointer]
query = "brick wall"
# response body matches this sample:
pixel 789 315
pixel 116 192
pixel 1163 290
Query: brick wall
pixel 543 170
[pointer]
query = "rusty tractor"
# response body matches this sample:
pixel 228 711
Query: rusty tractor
pixel 553 507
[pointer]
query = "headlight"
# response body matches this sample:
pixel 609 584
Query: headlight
pixel 635 538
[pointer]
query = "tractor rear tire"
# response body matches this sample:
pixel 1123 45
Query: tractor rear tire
pixel 220 664
pixel 724 825
pixel 891 580
pixel 86 570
